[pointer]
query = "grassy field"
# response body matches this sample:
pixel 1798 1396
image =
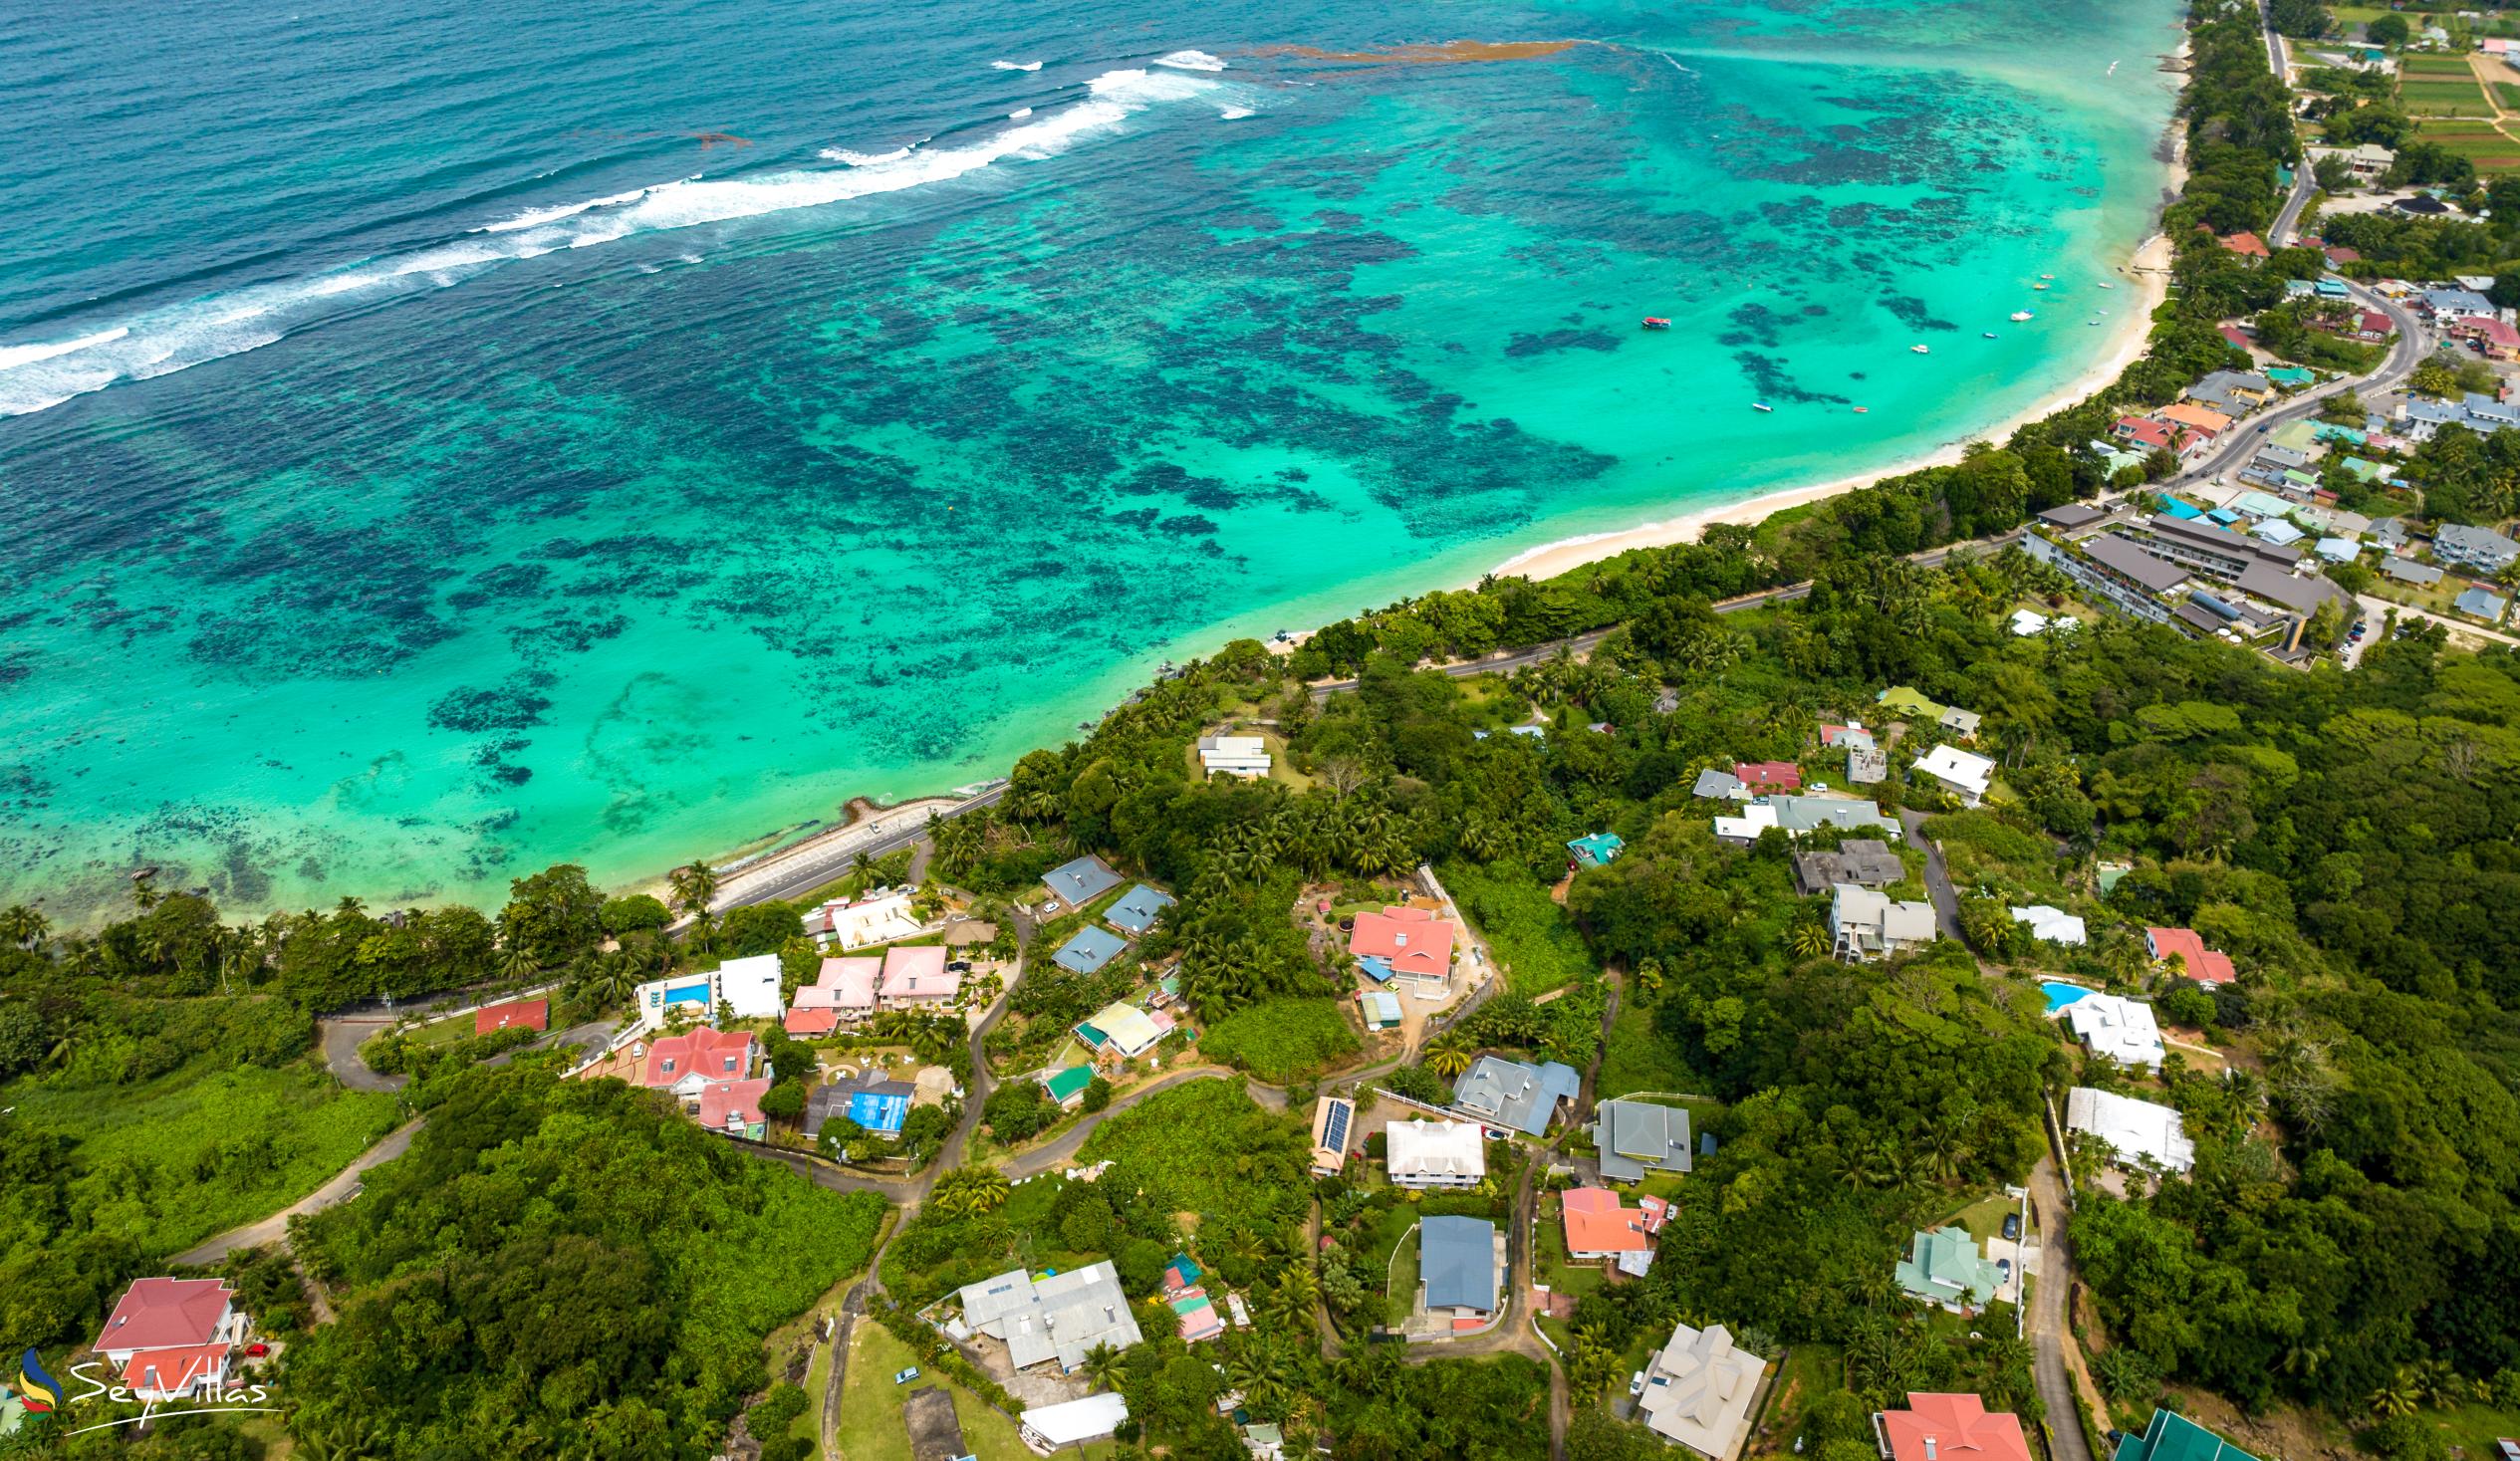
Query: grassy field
pixel 1984 1219
pixel 1810 1371
pixel 1642 1059
pixel 870 1427
pixel 238 1144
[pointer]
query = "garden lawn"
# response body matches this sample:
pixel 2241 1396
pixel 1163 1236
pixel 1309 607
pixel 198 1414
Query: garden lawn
pixel 1641 1058
pixel 231 1144
pixel 1810 1371
pixel 1562 1274
pixel 1984 1219
pixel 1530 934
pixel 1401 1274
pixel 870 1427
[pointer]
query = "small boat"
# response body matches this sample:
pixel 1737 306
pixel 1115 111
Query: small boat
pixel 2105 284
pixel 2112 71
pixel 1920 350
pixel 1990 335
pixel 1760 406
pixel 2037 286
pixel 1656 321
pixel 1860 410
pixel 2020 315
pixel 2047 276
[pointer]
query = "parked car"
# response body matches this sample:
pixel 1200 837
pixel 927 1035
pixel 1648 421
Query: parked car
pixel 2012 1220
pixel 906 1377
pixel 2003 1266
pixel 257 1350
pixel 1636 1384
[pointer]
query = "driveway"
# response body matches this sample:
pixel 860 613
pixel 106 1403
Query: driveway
pixel 1946 903
pixel 2047 1319
pixel 276 1227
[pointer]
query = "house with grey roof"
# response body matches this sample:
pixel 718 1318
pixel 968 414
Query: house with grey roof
pixel 2480 549
pixel 2390 533
pixel 1715 785
pixel 1062 1316
pixel 1801 815
pixel 1866 862
pixel 1505 1092
pixel 2485 606
pixel 2233 392
pixel 1090 950
pixel 1866 925
pixel 2408 570
pixel 1458 1263
pixel 2295 591
pixel 2457 303
pixel 1134 914
pixel 1080 883
pixel 2066 517
pixel 1636 1138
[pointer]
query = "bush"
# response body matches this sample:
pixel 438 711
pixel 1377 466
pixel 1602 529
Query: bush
pixel 1097 1095
pixel 1018 1110
pixel 1283 1039
pixel 1418 1083
pixel 633 914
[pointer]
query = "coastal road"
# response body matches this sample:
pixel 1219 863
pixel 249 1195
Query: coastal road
pixel 830 855
pixel 2305 182
pixel 2410 350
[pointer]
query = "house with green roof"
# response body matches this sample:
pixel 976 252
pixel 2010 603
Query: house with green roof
pixel 1067 1087
pixel 2293 376
pixel 1595 849
pixel 2171 1436
pixel 1945 1267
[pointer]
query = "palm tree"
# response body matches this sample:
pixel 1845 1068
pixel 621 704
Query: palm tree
pixel 1295 1294
pixel 1810 939
pixel 23 928
pixel 1102 1366
pixel 520 962
pixel 1649 975
pixel 1449 1054
pixel 970 1191
pixel 2398 1396
pixel 694 884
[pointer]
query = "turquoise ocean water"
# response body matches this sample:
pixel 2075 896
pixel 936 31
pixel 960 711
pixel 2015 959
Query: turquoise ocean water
pixel 441 441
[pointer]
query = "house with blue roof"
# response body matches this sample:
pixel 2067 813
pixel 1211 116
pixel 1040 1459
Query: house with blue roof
pixel 1510 1093
pixel 1595 848
pixel 1090 950
pixel 1458 1263
pixel 877 1107
pixel 1134 914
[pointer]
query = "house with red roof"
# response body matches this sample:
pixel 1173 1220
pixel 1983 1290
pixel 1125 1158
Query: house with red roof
pixel 172 1338
pixel 1770 776
pixel 1951 1429
pixel 521 1014
pixel 682 1063
pixel 2338 256
pixel 2148 433
pixel 2246 245
pixel 2490 336
pixel 2204 965
pixel 1598 1227
pixel 915 978
pixel 734 1108
pixel 843 993
pixel 1414 943
pixel 2238 336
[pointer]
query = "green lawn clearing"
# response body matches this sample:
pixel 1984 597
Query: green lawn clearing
pixel 870 1427
pixel 1642 1058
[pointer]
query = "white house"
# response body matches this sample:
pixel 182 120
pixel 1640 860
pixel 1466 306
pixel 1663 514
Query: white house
pixel 1060 1317
pixel 879 918
pixel 1243 756
pixel 1073 1423
pixel 2122 1028
pixel 2052 924
pixel 1427 1155
pixel 1698 1391
pixel 1864 924
pixel 696 994
pixel 171 1337
pixel 751 985
pixel 1965 773
pixel 2134 1130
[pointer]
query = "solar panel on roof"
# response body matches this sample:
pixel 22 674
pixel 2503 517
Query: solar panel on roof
pixel 1335 1131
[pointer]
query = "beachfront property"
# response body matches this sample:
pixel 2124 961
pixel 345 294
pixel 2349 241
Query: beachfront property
pixel 1698 1391
pixel 2171 1436
pixel 2233 392
pixel 1865 925
pixel 1245 757
pixel 2052 925
pixel 1950 1427
pixel 1461 1268
pixel 1797 817
pixel 2150 435
pixel 878 918
pixel 1333 1118
pixel 1136 913
pixel 1599 1230
pixel 1074 884
pixel 1090 949
pixel 1513 1095
pixel 694 996
pixel 2121 1030
pixel 2366 160
pixel 1059 1319
pixel 1864 861
pixel 2135 1131
pixel 1429 1155
pixel 1945 1267
pixel 915 978
pixel 2479 550
pixel 682 1063
pixel 170 1338
pixel 1593 850
pixel 843 993
pixel 2198 962
pixel 1402 942
pixel 1965 774
pixel 519 1014
pixel 1120 1031
pixel 1636 1137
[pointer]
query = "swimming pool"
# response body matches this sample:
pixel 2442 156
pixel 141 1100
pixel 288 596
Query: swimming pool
pixel 2061 994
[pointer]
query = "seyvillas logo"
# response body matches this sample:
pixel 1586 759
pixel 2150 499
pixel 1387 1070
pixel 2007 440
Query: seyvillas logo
pixel 37 1389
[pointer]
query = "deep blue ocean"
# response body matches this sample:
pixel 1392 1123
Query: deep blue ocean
pixel 436 440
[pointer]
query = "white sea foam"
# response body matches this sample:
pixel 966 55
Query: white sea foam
pixel 537 217
pixel 1015 65
pixel 1019 114
pixel 27 355
pixel 1233 114
pixel 1190 61
pixel 38 375
pixel 862 160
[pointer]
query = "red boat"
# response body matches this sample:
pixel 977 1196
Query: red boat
pixel 1656 321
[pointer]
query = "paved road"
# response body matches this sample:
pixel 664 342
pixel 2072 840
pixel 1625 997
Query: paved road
pixel 803 872
pixel 2049 1333
pixel 1946 903
pixel 2375 611
pixel 342 1039
pixel 2410 350
pixel 2305 184
pixel 276 1227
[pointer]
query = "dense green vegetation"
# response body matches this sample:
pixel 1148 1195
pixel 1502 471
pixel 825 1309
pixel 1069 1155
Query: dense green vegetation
pixel 1283 1039
pixel 560 1268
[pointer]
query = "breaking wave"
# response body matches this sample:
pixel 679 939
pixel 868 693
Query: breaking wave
pixel 35 376
pixel 1190 61
pixel 1015 65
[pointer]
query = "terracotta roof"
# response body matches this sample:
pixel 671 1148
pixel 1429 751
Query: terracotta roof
pixel 701 1051
pixel 1412 941
pixel 806 1020
pixel 2187 413
pixel 741 1099
pixel 161 1373
pixel 161 1313
pixel 1780 775
pixel 918 972
pixel 1953 1428
pixel 521 1014
pixel 1596 1223
pixel 2204 965
pixel 2247 243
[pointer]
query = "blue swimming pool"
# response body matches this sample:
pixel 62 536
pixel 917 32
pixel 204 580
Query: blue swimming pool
pixel 2061 994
